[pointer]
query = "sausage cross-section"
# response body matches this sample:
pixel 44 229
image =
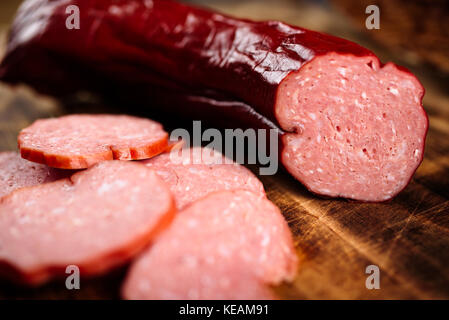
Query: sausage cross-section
pixel 351 127
pixel 96 220
pixel 16 173
pixel 195 172
pixel 226 239
pixel 79 141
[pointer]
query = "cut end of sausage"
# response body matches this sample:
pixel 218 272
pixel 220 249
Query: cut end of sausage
pixel 80 141
pixel 356 129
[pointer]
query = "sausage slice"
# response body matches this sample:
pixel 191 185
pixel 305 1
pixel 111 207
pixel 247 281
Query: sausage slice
pixel 98 219
pixel 16 173
pixel 226 238
pixel 193 173
pixel 79 141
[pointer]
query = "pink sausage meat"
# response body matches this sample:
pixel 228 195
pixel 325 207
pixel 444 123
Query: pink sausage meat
pixel 196 172
pixel 96 220
pixel 79 141
pixel 226 238
pixel 355 129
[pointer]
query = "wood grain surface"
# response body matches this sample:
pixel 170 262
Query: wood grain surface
pixel 408 237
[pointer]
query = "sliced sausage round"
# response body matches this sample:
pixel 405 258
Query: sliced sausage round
pixel 79 141
pixel 16 173
pixel 193 173
pixel 228 237
pixel 96 220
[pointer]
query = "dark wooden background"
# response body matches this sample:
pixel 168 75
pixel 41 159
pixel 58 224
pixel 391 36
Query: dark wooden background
pixel 408 238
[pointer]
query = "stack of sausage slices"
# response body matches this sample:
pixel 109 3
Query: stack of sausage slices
pixel 195 228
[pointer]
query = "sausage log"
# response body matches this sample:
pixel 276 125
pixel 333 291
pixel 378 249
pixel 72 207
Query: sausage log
pixel 350 126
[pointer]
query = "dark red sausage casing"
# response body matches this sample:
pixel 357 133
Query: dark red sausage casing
pixel 351 127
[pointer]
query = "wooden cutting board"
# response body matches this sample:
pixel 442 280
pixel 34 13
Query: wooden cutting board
pixel 407 238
